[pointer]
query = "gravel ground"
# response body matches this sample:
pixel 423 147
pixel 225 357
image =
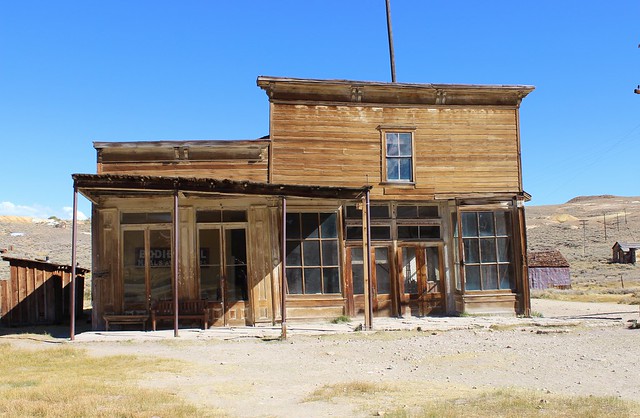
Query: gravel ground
pixel 573 349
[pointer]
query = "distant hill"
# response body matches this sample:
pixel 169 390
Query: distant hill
pixel 37 239
pixel 587 249
pixel 548 227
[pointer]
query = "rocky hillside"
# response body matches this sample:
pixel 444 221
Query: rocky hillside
pixel 39 239
pixel 584 229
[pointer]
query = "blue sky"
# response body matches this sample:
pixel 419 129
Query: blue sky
pixel 74 72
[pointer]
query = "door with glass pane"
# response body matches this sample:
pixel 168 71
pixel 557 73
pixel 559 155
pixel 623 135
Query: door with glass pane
pixel 420 281
pixel 380 279
pixel 147 272
pixel 223 273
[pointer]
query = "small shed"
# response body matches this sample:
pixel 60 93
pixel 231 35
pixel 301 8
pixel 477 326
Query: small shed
pixel 37 292
pixel 625 252
pixel 548 269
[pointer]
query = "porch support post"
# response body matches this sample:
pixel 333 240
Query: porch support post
pixel 74 237
pixel 175 260
pixel 283 272
pixel 366 254
pixel 524 263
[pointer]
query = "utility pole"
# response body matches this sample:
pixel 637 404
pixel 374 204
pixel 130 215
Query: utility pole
pixel 390 34
pixel 604 217
pixel 637 89
pixel 584 235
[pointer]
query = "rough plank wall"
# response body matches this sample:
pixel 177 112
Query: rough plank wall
pixel 457 149
pixel 548 277
pixel 232 169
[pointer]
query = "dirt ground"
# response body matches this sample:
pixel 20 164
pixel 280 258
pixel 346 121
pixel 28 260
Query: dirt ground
pixel 573 349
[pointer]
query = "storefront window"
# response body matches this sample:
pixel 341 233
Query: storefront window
pixel 487 248
pixel 313 258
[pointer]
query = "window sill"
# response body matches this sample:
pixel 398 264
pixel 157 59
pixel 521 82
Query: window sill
pixel 406 184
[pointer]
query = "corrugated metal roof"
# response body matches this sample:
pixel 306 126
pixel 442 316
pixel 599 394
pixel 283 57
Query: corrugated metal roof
pixel 626 246
pixel 550 258
pixel 43 263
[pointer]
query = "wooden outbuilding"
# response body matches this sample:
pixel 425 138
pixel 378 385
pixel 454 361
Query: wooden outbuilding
pixel 384 198
pixel 37 292
pixel 625 252
pixel 548 269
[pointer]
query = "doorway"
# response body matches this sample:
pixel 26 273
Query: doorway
pixel 223 273
pixel 147 273
pixel 420 281
pixel 404 282
pixel 381 284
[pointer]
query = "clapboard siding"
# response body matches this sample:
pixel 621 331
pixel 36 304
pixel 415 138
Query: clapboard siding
pixel 457 150
pixel 233 170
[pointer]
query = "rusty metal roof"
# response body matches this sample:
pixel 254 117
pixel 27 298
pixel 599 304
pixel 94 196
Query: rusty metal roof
pixel 43 264
pixel 94 185
pixel 626 246
pixel 550 258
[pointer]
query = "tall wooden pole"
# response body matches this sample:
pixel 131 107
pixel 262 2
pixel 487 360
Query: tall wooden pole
pixel 390 35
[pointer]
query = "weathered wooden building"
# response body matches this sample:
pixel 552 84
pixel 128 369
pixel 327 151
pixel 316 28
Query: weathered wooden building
pixel 625 252
pixel 37 292
pixel 437 168
pixel 548 269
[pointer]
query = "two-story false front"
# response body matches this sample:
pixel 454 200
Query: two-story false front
pixel 438 165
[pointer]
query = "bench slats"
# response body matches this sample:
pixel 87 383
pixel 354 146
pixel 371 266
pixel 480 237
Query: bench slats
pixel 187 309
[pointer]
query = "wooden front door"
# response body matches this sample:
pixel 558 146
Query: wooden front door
pixel 223 273
pixel 380 277
pixel 420 281
pixel 147 272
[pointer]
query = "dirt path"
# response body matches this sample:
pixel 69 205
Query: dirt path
pixel 575 348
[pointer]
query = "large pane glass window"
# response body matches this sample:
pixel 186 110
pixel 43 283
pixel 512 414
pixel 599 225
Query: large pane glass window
pixel 235 242
pixel 382 270
pixel 135 293
pixel 160 262
pixel 210 267
pixel 410 270
pixel 313 257
pixel 383 282
pixel 488 260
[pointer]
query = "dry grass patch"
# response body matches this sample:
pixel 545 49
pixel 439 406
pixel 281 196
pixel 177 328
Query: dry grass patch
pixel 426 399
pixel 593 294
pixel 66 382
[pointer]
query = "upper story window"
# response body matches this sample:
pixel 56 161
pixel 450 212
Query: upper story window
pixel 398 156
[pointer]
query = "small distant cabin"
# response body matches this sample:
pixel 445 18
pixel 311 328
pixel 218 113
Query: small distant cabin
pixel 625 252
pixel 548 269
pixel 37 292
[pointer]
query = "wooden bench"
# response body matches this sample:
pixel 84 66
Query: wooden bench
pixel 187 309
pixel 126 319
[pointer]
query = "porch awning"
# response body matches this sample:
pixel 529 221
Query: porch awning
pixel 93 186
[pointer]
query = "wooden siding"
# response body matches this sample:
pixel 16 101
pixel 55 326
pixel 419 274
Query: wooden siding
pixel 37 293
pixel 457 150
pixel 232 170
pixel 234 160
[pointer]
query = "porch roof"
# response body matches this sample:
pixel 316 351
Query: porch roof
pixel 93 186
